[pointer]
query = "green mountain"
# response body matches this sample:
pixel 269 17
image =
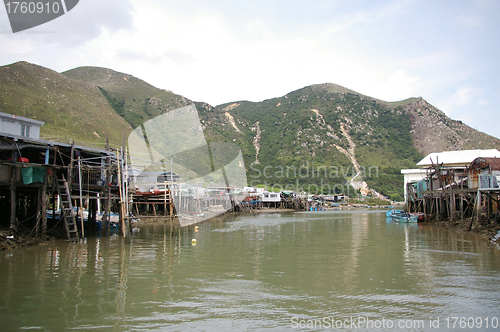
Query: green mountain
pixel 321 138
pixel 131 98
pixel 71 109
pixel 333 134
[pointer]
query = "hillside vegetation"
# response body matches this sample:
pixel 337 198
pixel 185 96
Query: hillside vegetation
pixel 71 109
pixel 131 98
pixel 322 138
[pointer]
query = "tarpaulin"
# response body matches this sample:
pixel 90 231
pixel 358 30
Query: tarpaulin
pixel 32 174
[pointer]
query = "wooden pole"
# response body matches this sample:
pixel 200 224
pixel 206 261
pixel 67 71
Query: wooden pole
pixel 107 194
pixel 13 196
pixel 122 202
pixel 478 206
pixel 81 200
pixel 44 204
pixel 438 210
pixel 171 205
pixel 39 204
pixel 165 198
pixel 452 205
pixel 125 188
pixel 171 188
pixel 462 202
pixel 92 215
pixel 70 167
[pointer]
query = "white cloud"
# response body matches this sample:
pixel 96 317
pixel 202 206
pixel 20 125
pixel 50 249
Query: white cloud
pixel 216 52
pixel 463 97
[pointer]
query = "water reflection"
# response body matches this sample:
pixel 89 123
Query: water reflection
pixel 251 272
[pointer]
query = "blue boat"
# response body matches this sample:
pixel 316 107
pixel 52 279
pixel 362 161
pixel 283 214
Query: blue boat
pixel 389 213
pixel 404 217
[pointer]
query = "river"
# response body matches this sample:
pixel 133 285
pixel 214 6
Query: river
pixel 274 272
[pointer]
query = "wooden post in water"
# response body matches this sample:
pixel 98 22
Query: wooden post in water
pixel 478 206
pixel 171 205
pixel 42 206
pixel 165 198
pixel 437 205
pixel 462 202
pixel 92 215
pixel 107 194
pixel 488 206
pixel 44 203
pixel 13 196
pixel 39 204
pixel 120 189
pixel 452 205
pixel 80 210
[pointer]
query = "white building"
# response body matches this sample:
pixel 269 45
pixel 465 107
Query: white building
pixel 451 159
pixel 456 159
pixel 271 197
pixel 13 125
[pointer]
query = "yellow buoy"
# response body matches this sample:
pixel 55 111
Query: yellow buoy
pixel 193 241
pixel 196 228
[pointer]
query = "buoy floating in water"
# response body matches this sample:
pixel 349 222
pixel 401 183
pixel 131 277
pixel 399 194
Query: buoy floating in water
pixel 193 241
pixel 196 228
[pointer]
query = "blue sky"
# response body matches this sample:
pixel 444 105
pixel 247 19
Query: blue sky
pixel 223 51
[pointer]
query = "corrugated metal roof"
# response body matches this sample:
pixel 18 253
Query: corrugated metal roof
pixel 457 158
pixel 494 163
pixel 40 141
pixel 21 118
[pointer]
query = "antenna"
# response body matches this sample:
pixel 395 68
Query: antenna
pixel 477 138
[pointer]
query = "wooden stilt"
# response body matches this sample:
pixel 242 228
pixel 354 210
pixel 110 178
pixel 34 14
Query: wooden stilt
pixel 39 204
pixel 462 202
pixel 452 205
pixel 44 204
pixel 478 206
pixel 107 195
pixel 92 216
pixel 171 206
pixel 13 200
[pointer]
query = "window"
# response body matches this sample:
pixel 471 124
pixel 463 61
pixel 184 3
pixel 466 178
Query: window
pixel 25 131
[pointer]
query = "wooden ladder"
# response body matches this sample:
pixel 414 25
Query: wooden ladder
pixel 67 212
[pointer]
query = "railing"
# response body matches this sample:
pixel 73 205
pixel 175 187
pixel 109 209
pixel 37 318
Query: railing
pixel 62 139
pixel 88 178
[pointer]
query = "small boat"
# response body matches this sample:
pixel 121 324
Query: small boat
pixel 496 237
pixel 389 213
pixel 404 217
pixel 316 208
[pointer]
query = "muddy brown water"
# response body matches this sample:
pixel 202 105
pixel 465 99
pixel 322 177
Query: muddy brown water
pixel 307 271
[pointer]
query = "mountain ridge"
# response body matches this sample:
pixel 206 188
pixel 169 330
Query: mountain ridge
pixel 321 126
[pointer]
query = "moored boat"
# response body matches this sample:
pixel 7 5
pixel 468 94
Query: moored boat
pixel 389 213
pixel 404 217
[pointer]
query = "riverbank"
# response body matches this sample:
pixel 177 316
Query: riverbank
pixel 9 242
pixel 484 226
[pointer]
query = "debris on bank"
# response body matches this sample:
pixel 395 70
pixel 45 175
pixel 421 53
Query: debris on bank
pixel 9 241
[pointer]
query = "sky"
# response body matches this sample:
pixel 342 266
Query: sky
pixel 446 52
